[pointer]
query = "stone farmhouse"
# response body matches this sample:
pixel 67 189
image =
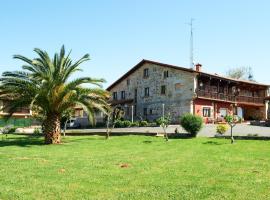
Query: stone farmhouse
pixel 151 88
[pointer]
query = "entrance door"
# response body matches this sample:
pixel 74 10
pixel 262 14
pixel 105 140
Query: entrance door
pixel 240 112
pixel 223 112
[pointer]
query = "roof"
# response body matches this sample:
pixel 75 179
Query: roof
pixel 133 69
pixel 233 79
pixel 144 61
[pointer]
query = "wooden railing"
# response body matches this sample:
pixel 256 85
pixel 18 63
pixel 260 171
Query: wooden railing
pixel 230 97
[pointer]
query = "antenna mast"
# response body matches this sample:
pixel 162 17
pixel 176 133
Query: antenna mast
pixel 191 43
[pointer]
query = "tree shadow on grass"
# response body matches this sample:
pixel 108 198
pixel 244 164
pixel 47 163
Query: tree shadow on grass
pixel 25 141
pixel 213 143
pixel 147 142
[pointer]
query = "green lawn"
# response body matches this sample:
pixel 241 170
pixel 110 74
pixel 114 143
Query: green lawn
pixel 134 167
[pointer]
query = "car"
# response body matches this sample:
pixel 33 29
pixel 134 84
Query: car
pixel 73 124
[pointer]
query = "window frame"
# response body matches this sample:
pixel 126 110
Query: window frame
pixel 144 111
pixel 123 94
pixel 163 90
pixel 166 74
pixel 146 92
pixel 208 109
pixel 115 96
pixel 146 72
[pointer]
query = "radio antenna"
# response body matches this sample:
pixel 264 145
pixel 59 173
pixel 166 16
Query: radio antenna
pixel 191 43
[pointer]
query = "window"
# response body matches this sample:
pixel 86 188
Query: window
pixel 206 112
pixel 146 92
pixel 135 95
pixel 123 95
pixel 151 112
pixel 135 110
pixel 163 89
pixel 166 74
pixel 146 73
pixel 145 111
pixel 114 95
pixel 128 82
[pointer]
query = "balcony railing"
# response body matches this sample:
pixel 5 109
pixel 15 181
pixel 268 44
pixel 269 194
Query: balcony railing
pixel 230 97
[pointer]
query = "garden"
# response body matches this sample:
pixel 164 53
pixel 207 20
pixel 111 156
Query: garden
pixel 133 167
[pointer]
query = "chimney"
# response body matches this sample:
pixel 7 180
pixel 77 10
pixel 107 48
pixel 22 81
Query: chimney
pixel 198 67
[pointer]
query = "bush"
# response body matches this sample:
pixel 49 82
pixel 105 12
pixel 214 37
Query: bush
pixel 36 131
pixel 122 123
pixel 143 123
pixel 127 123
pixel 8 129
pixel 135 124
pixel 191 123
pixel 222 128
pixel 152 124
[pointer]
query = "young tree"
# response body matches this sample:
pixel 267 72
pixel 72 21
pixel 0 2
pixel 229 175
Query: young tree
pixel 164 122
pixel 232 121
pixel 44 83
pixel 66 116
pixel 112 116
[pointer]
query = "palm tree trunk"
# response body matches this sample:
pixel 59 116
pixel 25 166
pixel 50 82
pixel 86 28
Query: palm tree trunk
pixel 52 129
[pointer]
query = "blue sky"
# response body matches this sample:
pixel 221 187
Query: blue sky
pixel 119 33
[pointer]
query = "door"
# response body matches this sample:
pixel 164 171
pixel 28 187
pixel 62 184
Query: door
pixel 240 112
pixel 223 112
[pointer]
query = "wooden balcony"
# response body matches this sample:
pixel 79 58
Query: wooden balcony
pixel 230 98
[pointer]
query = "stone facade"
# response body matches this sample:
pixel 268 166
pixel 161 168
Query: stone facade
pixel 149 86
pixel 176 97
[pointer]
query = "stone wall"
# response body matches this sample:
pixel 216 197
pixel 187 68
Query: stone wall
pixel 177 100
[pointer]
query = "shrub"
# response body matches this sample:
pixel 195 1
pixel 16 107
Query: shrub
pixel 127 123
pixel 118 124
pixel 36 131
pixel 135 124
pixel 143 123
pixel 8 129
pixel 191 123
pixel 122 123
pixel 152 124
pixel 222 128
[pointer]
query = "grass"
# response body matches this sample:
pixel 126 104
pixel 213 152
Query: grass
pixel 133 167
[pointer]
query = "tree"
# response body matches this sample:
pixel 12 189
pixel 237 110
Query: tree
pixel 66 116
pixel 44 83
pixel 232 121
pixel 244 73
pixel 112 116
pixel 164 122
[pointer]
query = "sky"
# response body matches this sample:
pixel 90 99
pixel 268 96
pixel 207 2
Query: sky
pixel 120 33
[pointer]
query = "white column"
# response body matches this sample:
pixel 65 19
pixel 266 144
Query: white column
pixel 266 109
pixel 132 113
pixel 163 112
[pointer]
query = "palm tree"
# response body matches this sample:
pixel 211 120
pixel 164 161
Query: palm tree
pixel 44 84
